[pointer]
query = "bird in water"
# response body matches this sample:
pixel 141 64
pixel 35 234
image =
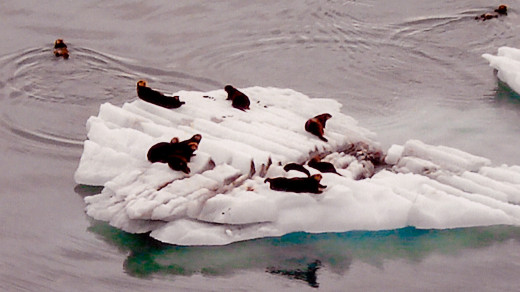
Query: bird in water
pixel 500 11
pixel 60 49
pixel 152 96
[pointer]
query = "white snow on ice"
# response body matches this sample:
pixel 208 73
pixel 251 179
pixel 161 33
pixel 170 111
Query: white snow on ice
pixel 224 199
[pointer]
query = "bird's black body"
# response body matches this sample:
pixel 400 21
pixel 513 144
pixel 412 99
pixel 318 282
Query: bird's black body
pixel 179 162
pixel 152 96
pixel 159 152
pixel 60 49
pixel 176 154
pixel 322 166
pixel 297 167
pixel 298 184
pixel 316 125
pixel 238 99
pixel 500 11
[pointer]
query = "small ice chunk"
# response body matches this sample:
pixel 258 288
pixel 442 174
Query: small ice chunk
pixel 446 157
pixel 394 154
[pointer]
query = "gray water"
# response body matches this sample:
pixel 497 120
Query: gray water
pixel 403 69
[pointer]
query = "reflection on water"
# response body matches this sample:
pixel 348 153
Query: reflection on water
pixel 308 274
pixel 504 94
pixel 297 255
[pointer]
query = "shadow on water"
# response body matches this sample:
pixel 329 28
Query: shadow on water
pixel 297 255
pixel 86 190
pixel 506 95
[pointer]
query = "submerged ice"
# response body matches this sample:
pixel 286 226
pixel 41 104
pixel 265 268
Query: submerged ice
pixel 507 64
pixel 224 199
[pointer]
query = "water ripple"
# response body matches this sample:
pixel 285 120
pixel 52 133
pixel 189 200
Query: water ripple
pixel 47 100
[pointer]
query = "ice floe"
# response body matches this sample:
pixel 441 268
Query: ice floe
pixel 507 64
pixel 224 199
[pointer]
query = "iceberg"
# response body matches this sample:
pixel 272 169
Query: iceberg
pixel 225 198
pixel 507 64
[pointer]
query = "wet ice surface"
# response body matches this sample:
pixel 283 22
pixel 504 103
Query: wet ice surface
pixel 224 199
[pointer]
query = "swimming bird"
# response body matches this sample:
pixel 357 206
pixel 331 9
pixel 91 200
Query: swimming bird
pixel 152 96
pixel 501 10
pixel 60 49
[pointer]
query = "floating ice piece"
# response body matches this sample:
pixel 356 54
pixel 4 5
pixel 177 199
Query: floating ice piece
pixel 507 63
pixel 224 199
pixel 448 158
